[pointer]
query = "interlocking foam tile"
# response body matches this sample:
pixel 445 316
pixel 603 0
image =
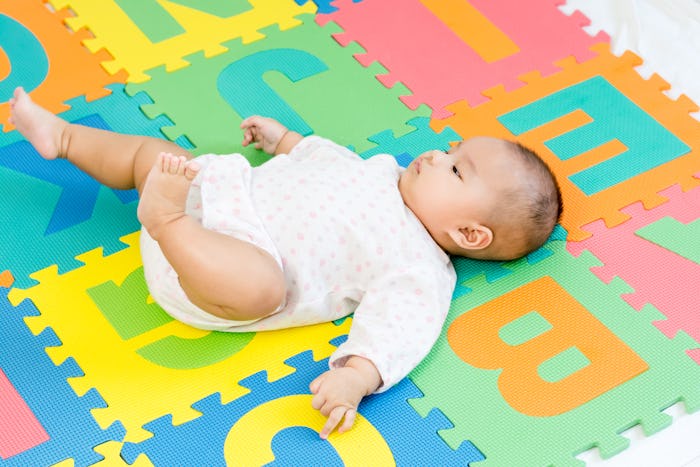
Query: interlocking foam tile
pixel 540 359
pixel 78 191
pixel 44 57
pixel 298 76
pixel 143 35
pixel 30 221
pixel 274 425
pixel 407 147
pixel 42 421
pixel 552 360
pixel 70 212
pixel 612 137
pixel 653 260
pixel 493 270
pixel 450 50
pixel 143 363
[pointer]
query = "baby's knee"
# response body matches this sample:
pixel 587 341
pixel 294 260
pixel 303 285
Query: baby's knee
pixel 267 297
pixel 271 287
pixel 270 297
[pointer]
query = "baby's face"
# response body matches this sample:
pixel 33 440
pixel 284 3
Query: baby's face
pixel 444 189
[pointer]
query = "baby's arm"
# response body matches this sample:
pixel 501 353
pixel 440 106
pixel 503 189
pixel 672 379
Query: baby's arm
pixel 269 135
pixel 394 327
pixel 338 392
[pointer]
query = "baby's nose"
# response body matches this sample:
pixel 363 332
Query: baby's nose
pixel 433 156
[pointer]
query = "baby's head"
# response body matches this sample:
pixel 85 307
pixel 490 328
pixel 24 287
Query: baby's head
pixel 485 198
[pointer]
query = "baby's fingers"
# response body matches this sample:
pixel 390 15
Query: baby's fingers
pixel 318 401
pixel 315 385
pixel 250 121
pixel 248 136
pixel 349 421
pixel 334 418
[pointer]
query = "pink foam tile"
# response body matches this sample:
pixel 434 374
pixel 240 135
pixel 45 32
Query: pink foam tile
pixel 659 276
pixel 439 68
pixel 19 428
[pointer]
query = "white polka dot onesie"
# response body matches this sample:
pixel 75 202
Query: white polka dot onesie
pixel 345 240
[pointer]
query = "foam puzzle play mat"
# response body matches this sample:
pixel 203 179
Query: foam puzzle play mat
pixel 540 359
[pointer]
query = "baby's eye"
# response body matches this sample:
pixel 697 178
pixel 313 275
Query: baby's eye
pixel 456 171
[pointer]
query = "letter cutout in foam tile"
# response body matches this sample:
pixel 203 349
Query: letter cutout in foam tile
pixel 242 84
pixel 613 117
pixel 77 191
pixel 654 253
pixel 214 360
pixel 589 338
pixel 446 51
pixel 20 430
pixel 27 60
pixel 263 426
pixel 595 183
pixel 154 20
pixel 137 35
pixel 521 383
pixel 673 235
pixel 70 212
pixel 42 420
pixel 46 59
pixel 268 418
pixel 321 91
pixel 131 314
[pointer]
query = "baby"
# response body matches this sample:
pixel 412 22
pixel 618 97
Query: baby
pixel 315 234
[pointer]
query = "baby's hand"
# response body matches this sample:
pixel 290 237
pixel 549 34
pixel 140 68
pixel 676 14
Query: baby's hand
pixel 338 392
pixel 265 132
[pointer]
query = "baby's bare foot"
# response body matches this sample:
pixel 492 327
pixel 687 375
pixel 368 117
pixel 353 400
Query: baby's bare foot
pixel 165 192
pixel 39 126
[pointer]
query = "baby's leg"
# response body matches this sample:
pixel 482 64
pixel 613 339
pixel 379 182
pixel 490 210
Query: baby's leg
pixel 114 159
pixel 220 274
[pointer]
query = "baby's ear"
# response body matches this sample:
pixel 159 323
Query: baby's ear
pixel 473 237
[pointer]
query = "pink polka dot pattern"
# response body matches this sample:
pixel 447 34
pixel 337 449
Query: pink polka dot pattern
pixel 347 244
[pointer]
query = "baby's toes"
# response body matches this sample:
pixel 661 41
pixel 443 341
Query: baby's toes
pixel 181 163
pixel 192 168
pixel 162 162
pixel 171 163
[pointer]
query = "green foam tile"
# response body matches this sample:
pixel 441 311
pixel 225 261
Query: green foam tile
pixel 301 77
pixel 471 397
pixel 675 236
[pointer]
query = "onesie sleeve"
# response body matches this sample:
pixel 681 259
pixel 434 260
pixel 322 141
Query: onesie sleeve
pixel 398 320
pixel 317 147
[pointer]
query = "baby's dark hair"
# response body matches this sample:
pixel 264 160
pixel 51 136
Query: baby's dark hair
pixel 529 212
pixel 547 205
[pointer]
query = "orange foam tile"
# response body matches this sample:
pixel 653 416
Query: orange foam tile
pixel 73 70
pixel 581 208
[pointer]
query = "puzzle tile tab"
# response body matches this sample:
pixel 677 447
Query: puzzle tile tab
pixel 250 430
pixel 47 59
pixel 448 51
pixel 178 364
pixel 56 422
pixel 498 388
pixel 597 171
pixel 653 269
pixel 300 77
pixel 143 35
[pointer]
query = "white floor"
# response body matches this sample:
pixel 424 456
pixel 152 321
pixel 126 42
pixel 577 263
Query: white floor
pixel 666 35
pixel 675 446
